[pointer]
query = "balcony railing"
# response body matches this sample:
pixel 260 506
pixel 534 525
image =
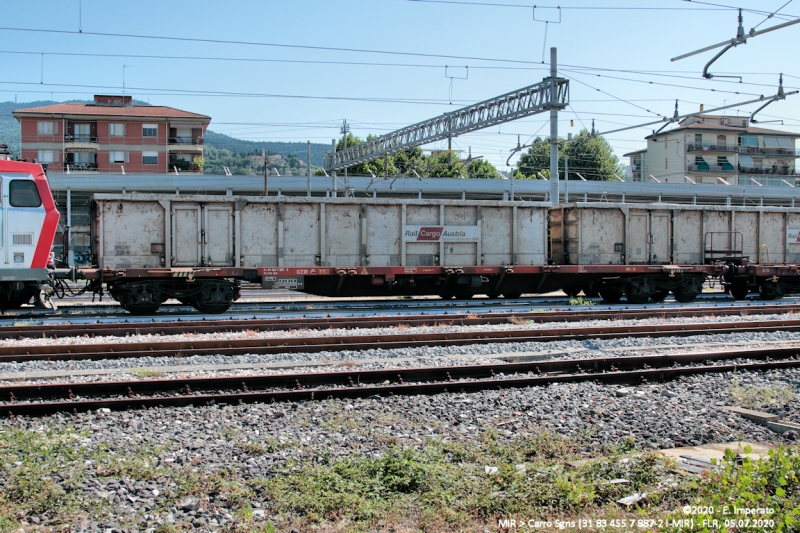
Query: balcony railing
pixel 693 147
pixel 768 151
pixel 712 168
pixel 182 166
pixel 780 171
pixel 81 167
pixel 197 141
pixel 80 138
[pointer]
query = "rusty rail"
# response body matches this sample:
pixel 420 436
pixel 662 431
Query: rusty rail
pixel 284 324
pixel 40 399
pixel 366 342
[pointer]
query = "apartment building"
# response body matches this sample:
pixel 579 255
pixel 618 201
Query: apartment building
pixel 112 134
pixel 723 150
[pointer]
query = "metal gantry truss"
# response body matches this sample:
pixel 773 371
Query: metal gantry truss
pixel 521 103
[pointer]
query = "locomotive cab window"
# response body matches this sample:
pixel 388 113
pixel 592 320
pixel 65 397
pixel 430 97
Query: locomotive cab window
pixel 23 193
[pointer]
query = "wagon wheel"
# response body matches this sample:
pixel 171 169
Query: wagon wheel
pixel 684 296
pixel 659 296
pixel 213 299
pixel 591 293
pixel 572 292
pixel 739 291
pixel 493 296
pixel 635 296
pixel 149 308
pixel 770 291
pixel 610 295
pixel 512 295
pixel 213 308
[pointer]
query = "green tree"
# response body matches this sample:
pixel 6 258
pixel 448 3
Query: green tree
pixel 592 157
pixel 409 161
pixel 482 169
pixel 444 165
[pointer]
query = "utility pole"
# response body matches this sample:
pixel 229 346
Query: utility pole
pixel 308 166
pixel 266 178
pixel 553 128
pixel 333 174
pixel 566 178
pixel 345 130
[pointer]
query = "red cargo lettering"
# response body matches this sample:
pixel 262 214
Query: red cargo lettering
pixel 430 234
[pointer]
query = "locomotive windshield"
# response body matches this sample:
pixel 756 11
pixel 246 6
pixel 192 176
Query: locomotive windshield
pixel 23 193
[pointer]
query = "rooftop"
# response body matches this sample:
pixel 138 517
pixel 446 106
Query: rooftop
pixel 707 126
pixel 137 111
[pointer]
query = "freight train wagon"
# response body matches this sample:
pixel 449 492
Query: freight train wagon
pixel 149 248
pixel 28 220
pixel 750 249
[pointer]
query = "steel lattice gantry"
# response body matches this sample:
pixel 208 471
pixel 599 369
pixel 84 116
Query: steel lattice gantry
pixel 521 103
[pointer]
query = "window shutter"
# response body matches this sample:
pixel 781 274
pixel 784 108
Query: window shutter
pixel 55 156
pixel 127 157
pixel 55 127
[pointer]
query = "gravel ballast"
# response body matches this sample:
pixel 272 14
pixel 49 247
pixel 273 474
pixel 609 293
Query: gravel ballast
pixel 223 437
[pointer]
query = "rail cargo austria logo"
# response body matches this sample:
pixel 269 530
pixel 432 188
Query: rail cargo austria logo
pixel 793 236
pixel 441 234
pixel 430 233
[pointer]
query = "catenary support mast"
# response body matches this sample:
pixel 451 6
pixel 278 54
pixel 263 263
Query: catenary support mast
pixel 553 129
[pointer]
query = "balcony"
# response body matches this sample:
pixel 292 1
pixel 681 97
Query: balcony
pixel 778 171
pixel 184 141
pixel 80 167
pixel 183 166
pixel 693 147
pixel 80 138
pixel 768 151
pixel 719 169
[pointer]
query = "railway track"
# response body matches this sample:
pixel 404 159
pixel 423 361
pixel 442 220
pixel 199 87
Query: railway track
pixel 141 394
pixel 119 329
pixel 300 307
pixel 295 344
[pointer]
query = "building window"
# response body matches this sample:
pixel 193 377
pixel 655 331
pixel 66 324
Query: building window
pixel 149 158
pixel 149 130
pixel 748 140
pixel 46 156
pixel 116 130
pixel 117 157
pixel 698 138
pixel 45 128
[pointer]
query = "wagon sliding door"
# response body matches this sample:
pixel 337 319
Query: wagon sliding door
pixel 186 235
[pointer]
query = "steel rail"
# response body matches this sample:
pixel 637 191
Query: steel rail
pixel 284 324
pixel 26 399
pixel 369 342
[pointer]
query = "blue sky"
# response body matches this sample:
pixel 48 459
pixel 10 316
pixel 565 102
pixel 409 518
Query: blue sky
pixel 502 46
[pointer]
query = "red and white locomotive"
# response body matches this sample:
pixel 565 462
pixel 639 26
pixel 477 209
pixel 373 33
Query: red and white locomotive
pixel 28 221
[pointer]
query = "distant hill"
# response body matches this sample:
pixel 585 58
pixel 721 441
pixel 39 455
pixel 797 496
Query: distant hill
pixel 9 127
pixel 240 146
pixel 9 134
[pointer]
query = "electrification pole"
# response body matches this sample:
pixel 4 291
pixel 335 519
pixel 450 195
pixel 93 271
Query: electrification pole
pixel 553 128
pixel 308 166
pixel 345 130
